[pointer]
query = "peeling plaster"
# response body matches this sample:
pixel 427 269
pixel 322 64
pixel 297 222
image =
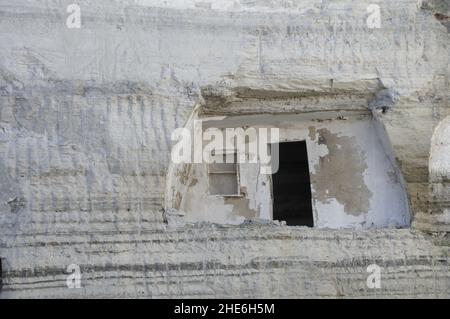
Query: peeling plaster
pixel 241 207
pixel 340 174
pixel 177 200
pixel 354 181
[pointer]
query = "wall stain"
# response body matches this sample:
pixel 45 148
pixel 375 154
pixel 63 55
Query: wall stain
pixel 240 207
pixel 340 174
pixel 177 203
pixel 243 191
pixel 312 133
pixel 17 204
pixel 183 174
pixel 193 181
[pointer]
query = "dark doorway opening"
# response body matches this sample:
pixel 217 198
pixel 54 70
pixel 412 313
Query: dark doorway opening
pixel 291 186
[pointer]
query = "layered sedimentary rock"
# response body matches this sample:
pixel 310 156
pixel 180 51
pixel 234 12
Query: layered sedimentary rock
pixel 248 261
pixel 439 166
pixel 86 117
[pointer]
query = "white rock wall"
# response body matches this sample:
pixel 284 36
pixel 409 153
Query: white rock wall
pixel 85 122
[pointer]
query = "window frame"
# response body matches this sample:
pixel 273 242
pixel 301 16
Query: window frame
pixel 238 179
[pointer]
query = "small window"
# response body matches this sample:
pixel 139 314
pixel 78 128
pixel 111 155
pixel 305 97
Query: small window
pixel 223 177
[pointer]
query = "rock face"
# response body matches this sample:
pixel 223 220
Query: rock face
pixel 440 178
pixel 86 116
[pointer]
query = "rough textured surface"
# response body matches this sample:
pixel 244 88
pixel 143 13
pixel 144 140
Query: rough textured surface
pixel 355 182
pixel 343 153
pixel 439 168
pixel 238 261
pixel 85 122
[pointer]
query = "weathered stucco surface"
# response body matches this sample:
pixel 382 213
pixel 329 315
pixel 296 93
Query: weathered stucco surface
pixel 439 188
pixel 86 117
pixel 246 261
pixel 349 165
pixel 355 181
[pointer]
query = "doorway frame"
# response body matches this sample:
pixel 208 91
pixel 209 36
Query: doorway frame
pixel 313 213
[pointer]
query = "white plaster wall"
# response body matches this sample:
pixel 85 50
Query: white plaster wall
pixel 199 205
pixel 388 202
